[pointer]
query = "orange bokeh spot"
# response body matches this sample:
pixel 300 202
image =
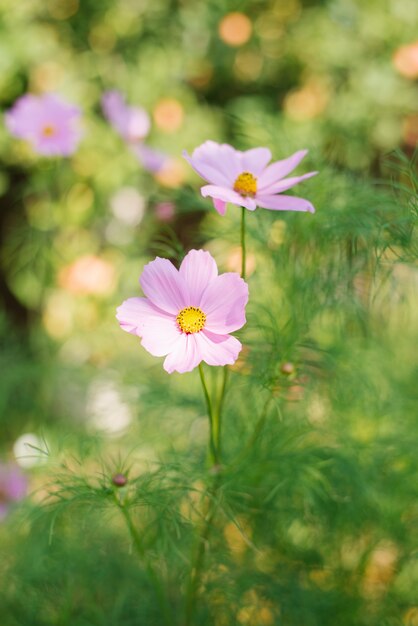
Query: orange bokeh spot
pixel 88 275
pixel 171 175
pixel 405 60
pixel 235 29
pixel 307 102
pixel 168 115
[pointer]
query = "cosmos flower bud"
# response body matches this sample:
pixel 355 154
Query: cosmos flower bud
pixel 119 480
pixel 287 368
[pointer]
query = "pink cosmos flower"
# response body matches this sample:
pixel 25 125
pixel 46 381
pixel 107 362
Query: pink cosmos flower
pixel 13 487
pixel 246 179
pixel 47 122
pixel 132 123
pixel 187 314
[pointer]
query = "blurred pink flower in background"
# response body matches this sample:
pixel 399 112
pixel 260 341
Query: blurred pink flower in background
pixel 246 179
pixel 13 487
pixel 187 314
pixel 49 124
pixel 165 211
pixel 132 123
pixel 152 160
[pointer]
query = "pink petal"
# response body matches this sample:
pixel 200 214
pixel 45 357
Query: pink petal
pixel 218 349
pixel 207 170
pixel 285 183
pixel 224 303
pixel 219 205
pixel 255 160
pixel 158 330
pixel 115 110
pixel 285 203
pixel 198 269
pixel 138 124
pixel 280 169
pixel 220 157
pixel 164 286
pixel 185 356
pixel 228 195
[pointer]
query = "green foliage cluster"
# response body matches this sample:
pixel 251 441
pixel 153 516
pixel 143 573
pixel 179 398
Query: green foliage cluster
pixel 313 513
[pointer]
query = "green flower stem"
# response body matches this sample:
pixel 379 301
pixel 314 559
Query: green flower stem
pixel 199 557
pixel 215 414
pixel 258 429
pixel 213 421
pixel 218 414
pixel 137 543
pixel 243 249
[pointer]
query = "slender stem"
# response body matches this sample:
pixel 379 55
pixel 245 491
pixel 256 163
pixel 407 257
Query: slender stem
pixel 213 450
pixel 258 429
pixel 198 561
pixel 137 542
pixel 217 417
pixel 214 414
pixel 215 421
pixel 243 249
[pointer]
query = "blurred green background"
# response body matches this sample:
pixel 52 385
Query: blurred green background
pixel 317 515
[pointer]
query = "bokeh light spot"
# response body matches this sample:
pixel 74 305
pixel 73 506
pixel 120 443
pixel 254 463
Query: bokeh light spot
pixel 62 9
pixel 405 60
pixel 168 115
pixel 88 275
pixel 235 29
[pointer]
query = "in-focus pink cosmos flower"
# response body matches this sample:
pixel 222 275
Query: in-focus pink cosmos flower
pixel 246 179
pixel 187 314
pixel 51 125
pixel 132 123
pixel 13 487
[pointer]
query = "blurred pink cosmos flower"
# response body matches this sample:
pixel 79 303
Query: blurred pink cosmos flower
pixel 246 179
pixel 153 160
pixel 187 314
pixel 132 123
pixel 13 487
pixel 47 122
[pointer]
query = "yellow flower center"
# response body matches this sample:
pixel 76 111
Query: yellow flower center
pixel 48 131
pixel 191 320
pixel 246 184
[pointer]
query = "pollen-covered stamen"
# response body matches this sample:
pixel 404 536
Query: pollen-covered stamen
pixel 191 320
pixel 246 184
pixel 48 130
